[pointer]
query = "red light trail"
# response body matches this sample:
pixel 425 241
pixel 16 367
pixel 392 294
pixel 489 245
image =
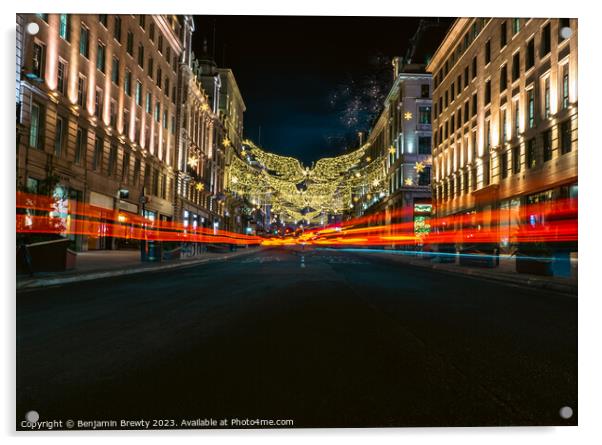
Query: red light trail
pixel 548 222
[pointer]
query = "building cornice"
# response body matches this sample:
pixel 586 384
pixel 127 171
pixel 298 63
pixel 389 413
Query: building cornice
pixel 447 44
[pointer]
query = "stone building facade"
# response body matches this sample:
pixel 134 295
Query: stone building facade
pixel 504 120
pixel 96 103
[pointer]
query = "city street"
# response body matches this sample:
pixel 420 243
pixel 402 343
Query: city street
pixel 324 338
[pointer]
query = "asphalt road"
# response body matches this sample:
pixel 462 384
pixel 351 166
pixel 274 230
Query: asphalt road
pixel 345 341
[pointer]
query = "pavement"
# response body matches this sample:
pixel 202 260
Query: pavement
pixel 322 338
pixel 504 273
pixel 98 264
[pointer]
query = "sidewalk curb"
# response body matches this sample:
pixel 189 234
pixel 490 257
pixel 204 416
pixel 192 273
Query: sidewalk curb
pixel 478 274
pixel 57 281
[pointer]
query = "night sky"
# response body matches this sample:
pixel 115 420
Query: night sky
pixel 311 82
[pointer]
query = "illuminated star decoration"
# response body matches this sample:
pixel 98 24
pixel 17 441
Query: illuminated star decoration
pixel 407 115
pixel 408 181
pixel 200 187
pixel 419 167
pixel 204 107
pixel 375 183
pixel 392 150
pixel 226 142
pixel 193 161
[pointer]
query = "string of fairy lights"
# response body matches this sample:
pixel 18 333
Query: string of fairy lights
pixel 297 193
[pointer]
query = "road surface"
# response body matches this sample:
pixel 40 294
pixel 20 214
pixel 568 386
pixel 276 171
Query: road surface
pixel 325 338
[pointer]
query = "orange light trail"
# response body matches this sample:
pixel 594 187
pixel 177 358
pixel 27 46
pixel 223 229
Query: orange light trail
pixel 547 222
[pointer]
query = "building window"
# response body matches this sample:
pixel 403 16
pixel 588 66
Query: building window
pixel 503 78
pixel 80 144
pixel 100 57
pixel 474 67
pixel 459 81
pixel 113 114
pixel 530 108
pixel 504 125
pixel 148 102
pixel 103 19
pixel 504 165
pixel 563 23
pixel 136 171
pixel 115 71
pixel 516 66
pixel 487 52
pixel 117 29
pixel 466 111
pixel 125 170
pixel 546 41
pixel 515 26
pixel 488 92
pixel 81 91
pixel 150 67
pixel 565 137
pixel 531 159
pixel 155 183
pixel 35 126
pixel 546 96
pixel 158 111
pixel 453 123
pixel 112 160
pixel 424 115
pixel 166 83
pixel 130 43
pixel 127 83
pixel 424 91
pixel 452 92
pixel 84 35
pixel 163 186
pixel 515 160
pixel 61 82
pixel 38 60
pixel 142 21
pixel 43 17
pixel 503 34
pixel 64 28
pixel 158 80
pixel 141 55
pixel 424 177
pixel 97 158
pixel 165 119
pixel 530 54
pixel 466 76
pixel 547 145
pixel 152 32
pixel 424 145
pixel 59 136
pixel 565 86
pixel 516 118
pixel 98 103
pixel 138 93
